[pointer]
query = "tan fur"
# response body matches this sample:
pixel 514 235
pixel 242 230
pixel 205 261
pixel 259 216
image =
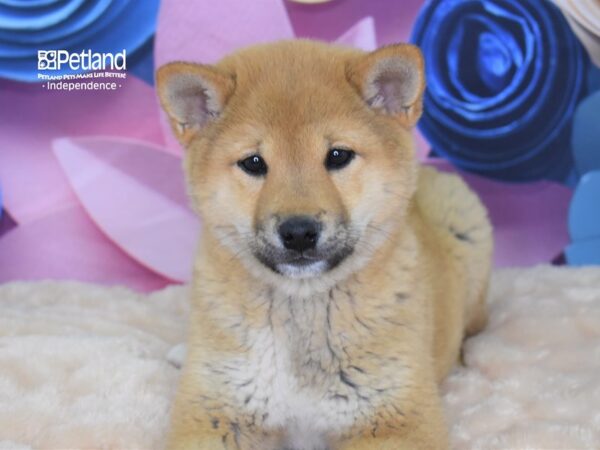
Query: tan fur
pixel 365 344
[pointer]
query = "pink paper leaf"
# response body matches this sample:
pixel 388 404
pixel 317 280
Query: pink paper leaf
pixel 67 245
pixel 31 116
pixel 205 31
pixel 361 35
pixel 135 194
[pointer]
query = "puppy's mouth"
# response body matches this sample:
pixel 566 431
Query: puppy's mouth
pixel 309 264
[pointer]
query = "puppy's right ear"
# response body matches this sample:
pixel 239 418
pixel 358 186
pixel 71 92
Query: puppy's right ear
pixel 192 95
pixel 391 81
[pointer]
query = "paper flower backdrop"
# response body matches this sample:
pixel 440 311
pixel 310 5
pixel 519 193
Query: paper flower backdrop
pixel 27 26
pixel 503 80
pixel 93 186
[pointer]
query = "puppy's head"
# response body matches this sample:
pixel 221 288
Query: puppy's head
pixel 298 154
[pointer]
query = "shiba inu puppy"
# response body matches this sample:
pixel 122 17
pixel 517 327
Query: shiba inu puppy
pixel 335 279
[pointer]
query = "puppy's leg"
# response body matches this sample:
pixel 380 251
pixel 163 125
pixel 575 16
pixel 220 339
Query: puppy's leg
pixel 394 443
pixel 203 420
pixel 192 430
pixel 422 430
pixel 220 433
pixel 195 442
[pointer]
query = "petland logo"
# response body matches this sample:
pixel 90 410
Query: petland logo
pixel 86 60
pixel 90 69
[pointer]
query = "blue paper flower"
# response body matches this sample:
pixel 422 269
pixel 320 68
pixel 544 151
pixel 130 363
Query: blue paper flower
pixel 503 79
pixel 103 26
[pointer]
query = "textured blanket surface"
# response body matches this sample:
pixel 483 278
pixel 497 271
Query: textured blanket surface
pixel 84 366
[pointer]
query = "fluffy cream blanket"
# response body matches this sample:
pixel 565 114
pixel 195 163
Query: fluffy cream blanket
pixel 84 366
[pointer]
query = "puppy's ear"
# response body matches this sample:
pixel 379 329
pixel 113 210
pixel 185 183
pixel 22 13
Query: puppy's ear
pixel 391 80
pixel 192 95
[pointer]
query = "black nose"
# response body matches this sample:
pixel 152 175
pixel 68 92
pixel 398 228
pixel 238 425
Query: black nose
pixel 299 233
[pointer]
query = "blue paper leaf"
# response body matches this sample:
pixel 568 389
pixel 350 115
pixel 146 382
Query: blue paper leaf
pixel 584 212
pixel 586 134
pixel 583 253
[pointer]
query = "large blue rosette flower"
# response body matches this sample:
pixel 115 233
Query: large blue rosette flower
pixel 103 26
pixel 503 77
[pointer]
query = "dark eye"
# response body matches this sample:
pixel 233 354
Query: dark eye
pixel 253 165
pixel 338 158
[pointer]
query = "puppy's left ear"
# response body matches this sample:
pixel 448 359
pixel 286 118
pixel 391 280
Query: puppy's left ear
pixel 193 96
pixel 391 80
